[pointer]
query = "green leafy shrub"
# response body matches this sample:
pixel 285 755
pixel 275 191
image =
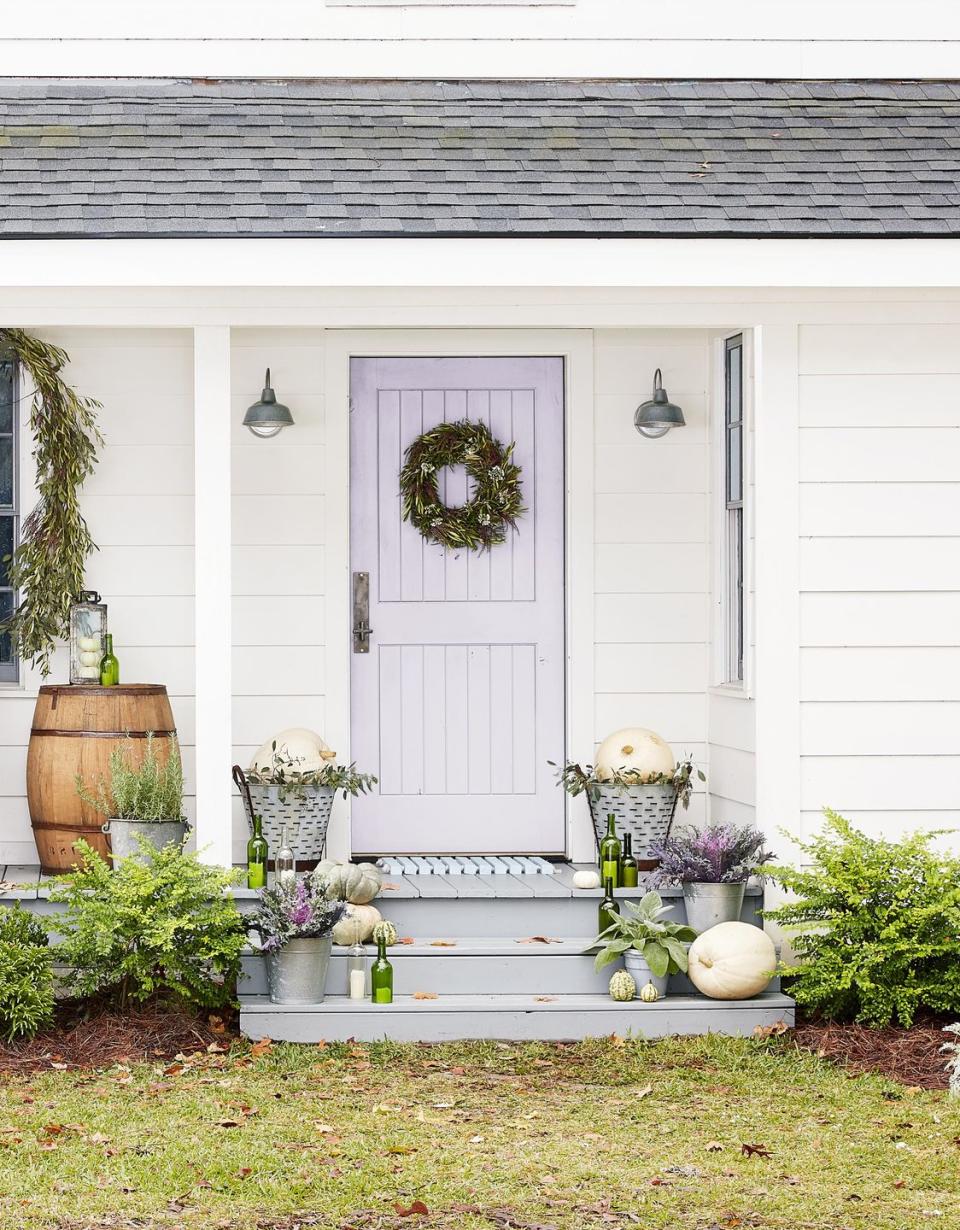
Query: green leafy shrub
pixel 26 978
pixel 162 926
pixel 876 926
pixel 149 791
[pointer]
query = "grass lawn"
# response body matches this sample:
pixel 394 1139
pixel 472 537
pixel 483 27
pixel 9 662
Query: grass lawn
pixel 607 1133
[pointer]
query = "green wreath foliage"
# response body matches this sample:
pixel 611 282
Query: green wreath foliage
pixel 48 566
pixel 497 499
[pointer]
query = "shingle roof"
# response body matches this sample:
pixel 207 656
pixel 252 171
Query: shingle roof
pixel 102 157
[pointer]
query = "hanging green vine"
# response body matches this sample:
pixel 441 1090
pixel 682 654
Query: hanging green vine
pixel 48 566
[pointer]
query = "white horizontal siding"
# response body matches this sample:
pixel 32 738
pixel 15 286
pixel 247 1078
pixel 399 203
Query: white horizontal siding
pixel 279 531
pixel 651 530
pixel 905 618
pixel 880 573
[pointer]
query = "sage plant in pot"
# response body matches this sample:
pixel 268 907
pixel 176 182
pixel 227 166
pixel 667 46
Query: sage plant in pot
pixel 295 923
pixel 652 948
pixel 142 798
pixel 713 866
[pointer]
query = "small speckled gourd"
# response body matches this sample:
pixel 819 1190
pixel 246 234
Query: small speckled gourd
pixel 385 931
pixel 622 986
pixel 649 994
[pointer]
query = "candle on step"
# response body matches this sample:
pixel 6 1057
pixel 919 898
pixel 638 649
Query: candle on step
pixel 358 984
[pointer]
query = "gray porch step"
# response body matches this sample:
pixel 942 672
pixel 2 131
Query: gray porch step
pixel 507 1018
pixel 474 967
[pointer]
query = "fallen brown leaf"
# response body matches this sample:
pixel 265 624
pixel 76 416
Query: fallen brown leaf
pixel 539 939
pixel 425 995
pixel 443 943
pixel 755 1150
pixel 417 1209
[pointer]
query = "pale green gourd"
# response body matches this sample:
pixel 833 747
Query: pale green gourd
pixel 622 986
pixel 649 994
pixel 386 931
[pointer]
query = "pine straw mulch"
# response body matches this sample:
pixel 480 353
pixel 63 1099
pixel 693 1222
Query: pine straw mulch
pixel 105 1038
pixel 910 1056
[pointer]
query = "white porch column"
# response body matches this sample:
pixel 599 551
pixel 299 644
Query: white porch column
pixel 212 590
pixel 777 586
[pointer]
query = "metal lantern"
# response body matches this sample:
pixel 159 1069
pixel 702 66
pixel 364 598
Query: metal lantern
pixel 267 416
pixel 88 628
pixel 655 417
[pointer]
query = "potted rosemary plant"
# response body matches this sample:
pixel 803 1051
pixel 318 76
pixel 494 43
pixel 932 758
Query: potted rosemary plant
pixel 295 922
pixel 652 948
pixel 142 799
pixel 713 866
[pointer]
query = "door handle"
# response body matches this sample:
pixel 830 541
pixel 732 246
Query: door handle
pixel 361 612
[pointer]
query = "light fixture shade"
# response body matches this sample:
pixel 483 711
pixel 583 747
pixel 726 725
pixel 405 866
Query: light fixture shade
pixel 655 417
pixel 267 416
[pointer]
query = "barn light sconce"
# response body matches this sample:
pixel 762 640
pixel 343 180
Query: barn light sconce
pixel 267 417
pixel 655 417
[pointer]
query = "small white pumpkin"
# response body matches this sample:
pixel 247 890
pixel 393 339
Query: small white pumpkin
pixel 303 747
pixel 733 960
pixel 586 879
pixel 636 753
pixel 357 924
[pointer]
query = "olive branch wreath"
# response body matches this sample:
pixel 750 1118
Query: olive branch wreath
pixel 497 499
pixel 47 567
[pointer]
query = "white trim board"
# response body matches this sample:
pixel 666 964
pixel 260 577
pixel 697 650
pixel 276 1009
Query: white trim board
pixel 913 263
pixel 576 348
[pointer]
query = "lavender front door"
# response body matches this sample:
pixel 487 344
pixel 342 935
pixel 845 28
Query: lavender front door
pixel 457 703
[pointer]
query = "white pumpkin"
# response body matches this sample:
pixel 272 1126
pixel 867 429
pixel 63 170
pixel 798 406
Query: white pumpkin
pixel 358 883
pixel 357 924
pixel 586 879
pixel 304 747
pixel 733 960
pixel 636 753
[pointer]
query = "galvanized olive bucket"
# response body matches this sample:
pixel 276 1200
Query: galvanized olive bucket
pixel 159 833
pixel 641 973
pixel 711 904
pixel 297 972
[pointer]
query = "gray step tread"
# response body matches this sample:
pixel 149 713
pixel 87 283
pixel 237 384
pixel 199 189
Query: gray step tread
pixel 339 1004
pixel 438 946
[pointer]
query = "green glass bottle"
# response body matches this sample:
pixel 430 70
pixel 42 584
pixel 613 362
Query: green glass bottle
pixel 257 855
pixel 109 666
pixel 381 975
pixel 629 872
pixel 609 909
pixel 611 853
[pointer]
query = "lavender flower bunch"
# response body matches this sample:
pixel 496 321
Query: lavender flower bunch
pixel 718 854
pixel 294 910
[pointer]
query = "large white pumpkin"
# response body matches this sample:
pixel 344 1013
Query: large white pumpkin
pixel 733 960
pixel 357 924
pixel 304 747
pixel 637 753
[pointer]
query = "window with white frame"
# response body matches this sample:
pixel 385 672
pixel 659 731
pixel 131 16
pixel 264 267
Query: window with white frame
pixel 9 665
pixel 733 545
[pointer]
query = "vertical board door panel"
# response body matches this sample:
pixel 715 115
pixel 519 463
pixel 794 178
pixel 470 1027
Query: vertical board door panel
pixel 459 704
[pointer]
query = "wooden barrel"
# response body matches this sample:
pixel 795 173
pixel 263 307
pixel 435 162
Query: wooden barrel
pixel 75 728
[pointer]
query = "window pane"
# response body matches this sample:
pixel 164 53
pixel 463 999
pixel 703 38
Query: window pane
pixel 6 395
pixel 6 546
pixel 6 610
pixel 734 465
pixel 734 384
pixel 6 470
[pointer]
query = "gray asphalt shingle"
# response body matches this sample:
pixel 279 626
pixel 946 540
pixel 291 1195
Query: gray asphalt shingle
pixel 178 157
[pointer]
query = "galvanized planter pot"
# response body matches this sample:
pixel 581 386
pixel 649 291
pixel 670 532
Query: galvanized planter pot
pixel 641 972
pixel 304 812
pixel 710 904
pixel 159 833
pixel 297 972
pixel 645 811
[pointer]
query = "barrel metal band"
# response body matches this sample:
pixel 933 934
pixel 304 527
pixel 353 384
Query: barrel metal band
pixel 103 734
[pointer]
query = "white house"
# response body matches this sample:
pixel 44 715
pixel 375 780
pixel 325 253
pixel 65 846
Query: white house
pixel 525 241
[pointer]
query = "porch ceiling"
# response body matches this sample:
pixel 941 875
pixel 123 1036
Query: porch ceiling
pixel 161 158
